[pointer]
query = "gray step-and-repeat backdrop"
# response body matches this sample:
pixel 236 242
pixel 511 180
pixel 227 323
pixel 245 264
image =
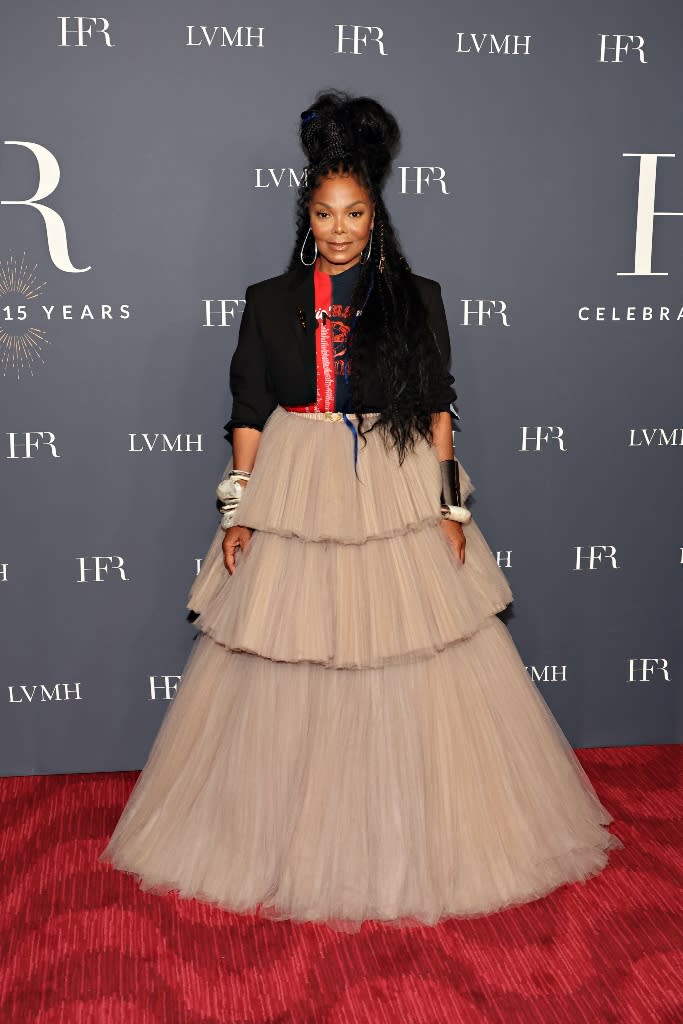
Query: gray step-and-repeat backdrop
pixel 148 171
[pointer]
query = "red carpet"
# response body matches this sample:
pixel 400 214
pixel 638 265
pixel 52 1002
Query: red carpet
pixel 82 945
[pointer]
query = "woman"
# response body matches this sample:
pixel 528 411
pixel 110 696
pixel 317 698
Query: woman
pixel 355 735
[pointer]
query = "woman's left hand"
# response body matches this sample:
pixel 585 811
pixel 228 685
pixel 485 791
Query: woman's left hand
pixel 455 535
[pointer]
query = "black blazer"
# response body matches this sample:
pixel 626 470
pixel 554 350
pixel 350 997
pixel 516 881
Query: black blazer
pixel 274 362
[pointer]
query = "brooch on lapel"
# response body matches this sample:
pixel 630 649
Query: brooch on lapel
pixel 301 313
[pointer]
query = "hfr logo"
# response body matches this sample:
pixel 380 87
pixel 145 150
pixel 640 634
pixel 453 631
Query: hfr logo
pixel 48 179
pixel 358 36
pixel 645 216
pixel 83 29
pixel 622 44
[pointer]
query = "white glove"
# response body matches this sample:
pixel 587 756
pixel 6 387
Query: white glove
pixel 230 493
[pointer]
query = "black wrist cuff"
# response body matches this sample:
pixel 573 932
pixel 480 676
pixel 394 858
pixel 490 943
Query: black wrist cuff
pixel 450 482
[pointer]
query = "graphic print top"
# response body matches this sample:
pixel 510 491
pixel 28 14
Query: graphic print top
pixel 333 320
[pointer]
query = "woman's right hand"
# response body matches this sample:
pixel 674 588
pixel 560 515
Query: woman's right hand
pixel 235 537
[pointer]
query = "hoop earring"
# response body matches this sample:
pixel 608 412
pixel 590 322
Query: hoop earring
pixel 301 254
pixel 369 249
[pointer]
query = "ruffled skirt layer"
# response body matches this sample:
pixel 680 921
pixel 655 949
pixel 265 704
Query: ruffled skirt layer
pixel 355 735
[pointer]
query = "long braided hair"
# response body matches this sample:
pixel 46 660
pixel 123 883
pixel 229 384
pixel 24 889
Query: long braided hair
pixel 341 134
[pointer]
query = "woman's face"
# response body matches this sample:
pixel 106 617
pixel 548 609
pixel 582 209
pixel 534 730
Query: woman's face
pixel 341 214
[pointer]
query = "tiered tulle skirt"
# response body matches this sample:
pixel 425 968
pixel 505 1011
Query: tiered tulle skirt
pixel 355 735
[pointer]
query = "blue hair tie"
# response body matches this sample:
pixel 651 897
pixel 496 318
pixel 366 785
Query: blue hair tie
pixel 308 116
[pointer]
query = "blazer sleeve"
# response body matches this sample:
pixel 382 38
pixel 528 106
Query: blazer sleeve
pixel 445 391
pixel 253 397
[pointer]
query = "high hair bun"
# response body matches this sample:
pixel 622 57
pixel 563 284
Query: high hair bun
pixel 337 127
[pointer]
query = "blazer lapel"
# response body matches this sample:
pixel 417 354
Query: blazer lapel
pixel 301 318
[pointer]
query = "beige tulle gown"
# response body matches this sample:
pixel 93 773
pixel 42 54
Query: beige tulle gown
pixel 355 735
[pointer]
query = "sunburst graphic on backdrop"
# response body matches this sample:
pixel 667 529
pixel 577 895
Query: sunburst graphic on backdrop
pixel 20 344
